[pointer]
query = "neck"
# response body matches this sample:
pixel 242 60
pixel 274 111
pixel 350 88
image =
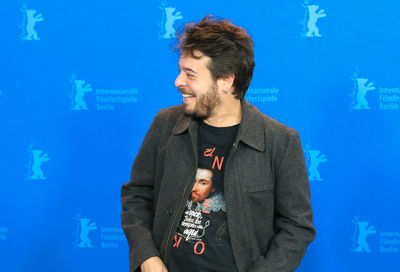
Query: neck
pixel 225 115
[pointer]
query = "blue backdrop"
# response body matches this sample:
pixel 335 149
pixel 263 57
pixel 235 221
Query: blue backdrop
pixel 81 81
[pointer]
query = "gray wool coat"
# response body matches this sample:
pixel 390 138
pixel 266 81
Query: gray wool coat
pixel 266 188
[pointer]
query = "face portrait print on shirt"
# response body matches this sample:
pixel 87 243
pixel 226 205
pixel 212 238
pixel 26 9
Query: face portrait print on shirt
pixel 202 186
pixel 205 198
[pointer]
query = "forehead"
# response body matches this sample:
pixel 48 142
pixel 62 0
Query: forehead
pixel 204 174
pixel 199 64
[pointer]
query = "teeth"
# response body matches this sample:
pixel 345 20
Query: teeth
pixel 187 95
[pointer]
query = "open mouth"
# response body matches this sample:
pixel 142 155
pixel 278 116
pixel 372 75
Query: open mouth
pixel 187 97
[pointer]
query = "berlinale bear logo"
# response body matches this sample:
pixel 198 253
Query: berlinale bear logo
pixel 362 89
pixel 29 23
pixel 36 158
pixel 314 158
pixel 83 229
pixel 310 19
pixel 361 231
pixel 167 22
pixel 79 89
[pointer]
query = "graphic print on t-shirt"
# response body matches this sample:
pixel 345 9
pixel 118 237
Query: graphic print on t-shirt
pixel 204 219
pixel 203 200
pixel 201 241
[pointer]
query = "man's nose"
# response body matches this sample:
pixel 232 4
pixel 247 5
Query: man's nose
pixel 179 81
pixel 195 189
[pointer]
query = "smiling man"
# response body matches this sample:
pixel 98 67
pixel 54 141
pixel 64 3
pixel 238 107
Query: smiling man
pixel 259 217
pixel 199 90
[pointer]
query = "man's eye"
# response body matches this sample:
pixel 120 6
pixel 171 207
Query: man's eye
pixel 190 75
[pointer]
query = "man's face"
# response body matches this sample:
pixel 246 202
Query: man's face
pixel 202 186
pixel 195 83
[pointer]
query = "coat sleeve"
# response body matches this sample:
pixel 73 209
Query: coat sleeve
pixel 137 197
pixel 293 218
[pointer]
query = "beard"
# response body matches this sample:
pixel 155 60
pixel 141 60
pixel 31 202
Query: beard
pixel 205 104
pixel 195 197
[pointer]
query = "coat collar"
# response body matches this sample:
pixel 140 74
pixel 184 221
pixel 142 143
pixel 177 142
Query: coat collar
pixel 251 129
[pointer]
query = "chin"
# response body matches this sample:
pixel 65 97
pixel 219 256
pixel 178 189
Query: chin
pixel 196 114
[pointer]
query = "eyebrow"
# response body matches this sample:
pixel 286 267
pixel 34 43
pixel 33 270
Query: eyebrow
pixel 209 181
pixel 187 69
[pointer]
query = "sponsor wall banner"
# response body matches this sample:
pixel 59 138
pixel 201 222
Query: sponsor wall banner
pixel 79 78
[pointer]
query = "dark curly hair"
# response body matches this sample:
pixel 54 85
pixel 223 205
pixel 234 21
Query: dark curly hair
pixel 229 47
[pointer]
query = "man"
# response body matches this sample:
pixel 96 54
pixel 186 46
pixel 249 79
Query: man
pixel 260 217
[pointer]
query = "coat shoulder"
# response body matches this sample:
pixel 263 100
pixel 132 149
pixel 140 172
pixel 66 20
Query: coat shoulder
pixel 171 113
pixel 273 126
pixel 167 118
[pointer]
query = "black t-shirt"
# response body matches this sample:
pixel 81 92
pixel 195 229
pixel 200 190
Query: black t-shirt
pixel 201 242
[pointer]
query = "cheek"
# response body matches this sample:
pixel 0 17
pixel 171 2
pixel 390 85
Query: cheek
pixel 205 189
pixel 195 87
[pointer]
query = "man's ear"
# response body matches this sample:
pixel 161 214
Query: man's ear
pixel 226 83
